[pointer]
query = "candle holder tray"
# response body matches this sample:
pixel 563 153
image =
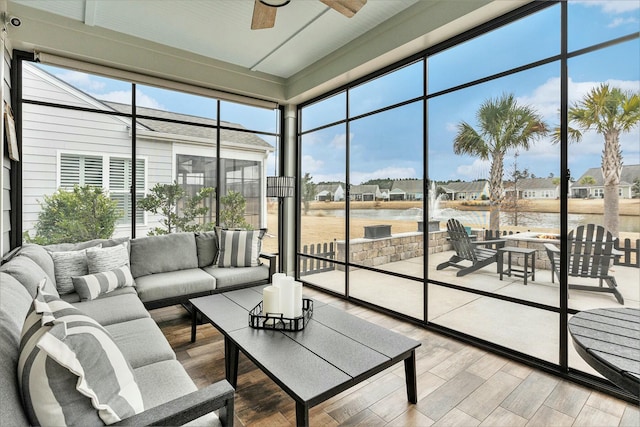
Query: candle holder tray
pixel 277 321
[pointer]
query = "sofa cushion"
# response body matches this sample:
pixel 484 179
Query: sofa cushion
pixel 160 254
pixel 15 302
pixel 163 381
pixel 41 256
pixel 240 248
pixel 110 309
pixel 207 247
pixel 141 342
pixel 155 287
pixel 91 286
pixel 29 273
pixel 105 259
pixel 68 360
pixel 229 277
pixel 68 264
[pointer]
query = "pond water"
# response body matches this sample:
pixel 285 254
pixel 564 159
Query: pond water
pixel 481 218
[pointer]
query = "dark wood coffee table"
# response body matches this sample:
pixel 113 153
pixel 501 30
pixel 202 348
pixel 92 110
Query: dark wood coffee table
pixel 334 352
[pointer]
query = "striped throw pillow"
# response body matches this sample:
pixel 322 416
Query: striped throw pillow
pixel 70 370
pixel 91 286
pixel 240 248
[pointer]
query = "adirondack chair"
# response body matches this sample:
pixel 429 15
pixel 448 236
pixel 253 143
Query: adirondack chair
pixel 479 253
pixel 591 252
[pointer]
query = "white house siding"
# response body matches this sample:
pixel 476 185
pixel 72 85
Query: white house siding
pixel 5 183
pixel 49 131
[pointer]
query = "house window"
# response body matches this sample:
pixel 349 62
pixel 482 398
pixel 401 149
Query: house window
pixel 120 184
pixel 79 169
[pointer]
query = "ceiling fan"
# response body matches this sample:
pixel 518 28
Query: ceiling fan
pixel 264 11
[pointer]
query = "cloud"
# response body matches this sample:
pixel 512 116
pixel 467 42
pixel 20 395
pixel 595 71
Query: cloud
pixel 388 172
pixel 340 141
pixel 621 21
pixel 311 165
pixel 80 80
pixel 124 97
pixel 613 6
pixel 479 169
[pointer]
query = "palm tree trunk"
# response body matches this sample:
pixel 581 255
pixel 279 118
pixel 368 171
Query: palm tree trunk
pixel 495 190
pixel 611 171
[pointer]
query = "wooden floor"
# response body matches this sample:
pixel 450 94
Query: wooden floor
pixel 458 385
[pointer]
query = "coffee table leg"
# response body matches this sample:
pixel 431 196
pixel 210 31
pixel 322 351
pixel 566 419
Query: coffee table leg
pixel 231 361
pixel 410 376
pixel 194 322
pixel 302 414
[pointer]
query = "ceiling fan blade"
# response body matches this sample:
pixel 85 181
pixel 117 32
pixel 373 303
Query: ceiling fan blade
pixel 346 7
pixel 263 16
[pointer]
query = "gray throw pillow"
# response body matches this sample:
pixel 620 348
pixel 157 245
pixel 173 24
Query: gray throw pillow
pixel 67 264
pixel 107 259
pixel 207 247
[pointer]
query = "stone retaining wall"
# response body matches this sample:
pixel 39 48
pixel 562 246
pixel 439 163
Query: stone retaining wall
pixel 398 247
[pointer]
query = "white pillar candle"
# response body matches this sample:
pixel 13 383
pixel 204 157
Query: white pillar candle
pixel 286 297
pixel 270 300
pixel 277 278
pixel 297 299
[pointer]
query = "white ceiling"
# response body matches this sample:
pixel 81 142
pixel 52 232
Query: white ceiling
pixel 305 30
pixel 208 43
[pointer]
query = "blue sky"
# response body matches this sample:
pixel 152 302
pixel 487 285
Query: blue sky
pixel 390 144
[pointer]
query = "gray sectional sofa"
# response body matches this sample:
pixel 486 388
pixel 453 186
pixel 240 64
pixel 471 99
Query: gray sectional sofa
pixel 167 270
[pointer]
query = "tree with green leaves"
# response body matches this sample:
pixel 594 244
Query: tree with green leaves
pixel 179 211
pixel 308 191
pixel 609 111
pixel 232 211
pixel 83 213
pixel 587 180
pixel 503 125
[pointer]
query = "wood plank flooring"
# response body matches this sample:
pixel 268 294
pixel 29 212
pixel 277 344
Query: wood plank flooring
pixel 458 385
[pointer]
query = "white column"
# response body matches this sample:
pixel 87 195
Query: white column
pixel 289 150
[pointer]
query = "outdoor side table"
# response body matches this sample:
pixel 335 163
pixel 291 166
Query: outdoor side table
pixel 529 261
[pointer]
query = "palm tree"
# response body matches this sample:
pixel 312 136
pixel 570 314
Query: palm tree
pixel 609 111
pixel 502 125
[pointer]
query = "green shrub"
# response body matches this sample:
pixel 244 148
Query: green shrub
pixel 81 214
pixel 232 211
pixel 164 199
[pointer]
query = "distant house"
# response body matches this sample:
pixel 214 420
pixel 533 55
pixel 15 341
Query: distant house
pixel 365 193
pixel 329 192
pixel 582 189
pixel 466 190
pixel 533 188
pixel 63 147
pixel 413 189
pixel 397 194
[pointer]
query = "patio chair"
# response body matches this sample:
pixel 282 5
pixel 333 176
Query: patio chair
pixel 479 253
pixel 591 252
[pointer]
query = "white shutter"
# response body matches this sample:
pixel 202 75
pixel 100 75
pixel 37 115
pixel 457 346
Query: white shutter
pixel 69 170
pixel 77 169
pixel 120 181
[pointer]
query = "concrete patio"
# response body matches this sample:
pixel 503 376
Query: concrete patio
pixel 516 326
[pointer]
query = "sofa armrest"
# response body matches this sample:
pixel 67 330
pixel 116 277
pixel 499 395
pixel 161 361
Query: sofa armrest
pixel 272 263
pixel 187 408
